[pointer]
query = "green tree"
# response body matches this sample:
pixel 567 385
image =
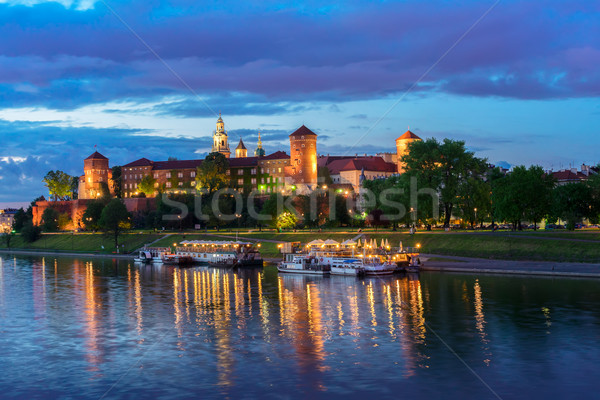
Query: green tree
pixel 50 220
pixel 20 218
pixel 474 200
pixel 572 203
pixel 211 175
pixel 146 185
pixel 442 167
pixel 286 220
pixel 64 220
pixel 525 194
pixel 92 214
pixel 7 237
pixel 117 180
pixel 30 232
pixel 115 218
pixel 74 187
pixel 59 184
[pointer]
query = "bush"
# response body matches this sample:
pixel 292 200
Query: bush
pixel 50 220
pixel 31 232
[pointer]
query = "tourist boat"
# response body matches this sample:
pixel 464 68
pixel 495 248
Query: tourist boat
pixel 243 259
pixel 352 258
pixel 347 266
pixel 144 257
pixel 375 266
pixel 178 260
pixel 154 255
pixel 302 264
pixel 215 253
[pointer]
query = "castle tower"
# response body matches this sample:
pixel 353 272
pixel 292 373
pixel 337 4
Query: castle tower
pixel 240 150
pixel 259 152
pixel 96 174
pixel 220 143
pixel 303 156
pixel 402 147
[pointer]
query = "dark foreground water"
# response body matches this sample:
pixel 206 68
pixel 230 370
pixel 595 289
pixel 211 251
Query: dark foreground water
pixel 77 328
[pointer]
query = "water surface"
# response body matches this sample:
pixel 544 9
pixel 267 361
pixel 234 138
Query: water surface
pixel 102 328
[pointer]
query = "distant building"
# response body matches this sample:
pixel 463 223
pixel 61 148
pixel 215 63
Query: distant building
pixel 7 217
pixel 97 177
pixel 572 175
pixel 348 170
pixel 220 141
pixel 272 168
pixel 402 144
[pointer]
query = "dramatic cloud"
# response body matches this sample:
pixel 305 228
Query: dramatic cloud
pixel 73 75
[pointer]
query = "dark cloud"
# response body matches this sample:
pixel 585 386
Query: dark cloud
pixel 61 57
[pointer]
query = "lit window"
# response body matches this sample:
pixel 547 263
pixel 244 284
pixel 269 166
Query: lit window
pixel 180 174
pixel 279 169
pixel 240 172
pixel 168 184
pixel 193 174
pixel 155 175
pixel 240 182
pixel 168 174
pixel 180 184
pixel 253 181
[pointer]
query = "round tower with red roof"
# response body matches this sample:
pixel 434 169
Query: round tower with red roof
pixel 402 144
pixel 303 157
pixel 96 174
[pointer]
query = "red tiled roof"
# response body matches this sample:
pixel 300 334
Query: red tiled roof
pixel 323 161
pixel 96 156
pixel 375 164
pixel 303 131
pixel 278 155
pixel 567 175
pixel 142 162
pixel 408 135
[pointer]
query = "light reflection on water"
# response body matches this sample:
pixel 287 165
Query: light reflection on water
pixel 76 327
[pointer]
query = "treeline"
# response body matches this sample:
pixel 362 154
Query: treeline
pixel 444 181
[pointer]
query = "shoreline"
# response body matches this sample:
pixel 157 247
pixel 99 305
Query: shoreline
pixel 455 264
pixel 66 254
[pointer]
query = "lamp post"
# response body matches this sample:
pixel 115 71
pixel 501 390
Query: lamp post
pixel 476 215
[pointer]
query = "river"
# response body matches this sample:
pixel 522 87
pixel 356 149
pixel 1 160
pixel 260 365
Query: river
pixel 104 328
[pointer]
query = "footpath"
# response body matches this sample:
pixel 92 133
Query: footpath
pixel 482 265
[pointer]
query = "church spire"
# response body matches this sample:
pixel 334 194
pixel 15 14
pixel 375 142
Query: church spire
pixel 259 152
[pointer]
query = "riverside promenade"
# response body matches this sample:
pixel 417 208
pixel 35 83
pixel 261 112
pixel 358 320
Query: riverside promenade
pixel 444 263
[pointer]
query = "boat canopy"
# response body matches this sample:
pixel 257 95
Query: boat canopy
pixel 349 242
pixel 214 243
pixel 316 242
pixel 330 242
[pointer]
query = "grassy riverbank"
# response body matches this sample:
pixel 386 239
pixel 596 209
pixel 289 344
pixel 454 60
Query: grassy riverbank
pixel 526 246
pixel 503 246
pixel 82 242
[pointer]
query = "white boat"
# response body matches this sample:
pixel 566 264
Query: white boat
pixel 144 257
pixel 379 268
pixel 302 264
pixel 343 265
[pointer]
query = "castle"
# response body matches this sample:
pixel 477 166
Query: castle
pixel 268 173
pixel 276 172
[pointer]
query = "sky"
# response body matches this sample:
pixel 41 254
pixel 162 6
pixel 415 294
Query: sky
pixel 518 81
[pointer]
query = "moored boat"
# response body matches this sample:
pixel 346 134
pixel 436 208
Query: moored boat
pixel 302 264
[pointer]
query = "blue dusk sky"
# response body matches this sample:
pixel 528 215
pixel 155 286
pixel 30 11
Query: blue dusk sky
pixel 518 81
